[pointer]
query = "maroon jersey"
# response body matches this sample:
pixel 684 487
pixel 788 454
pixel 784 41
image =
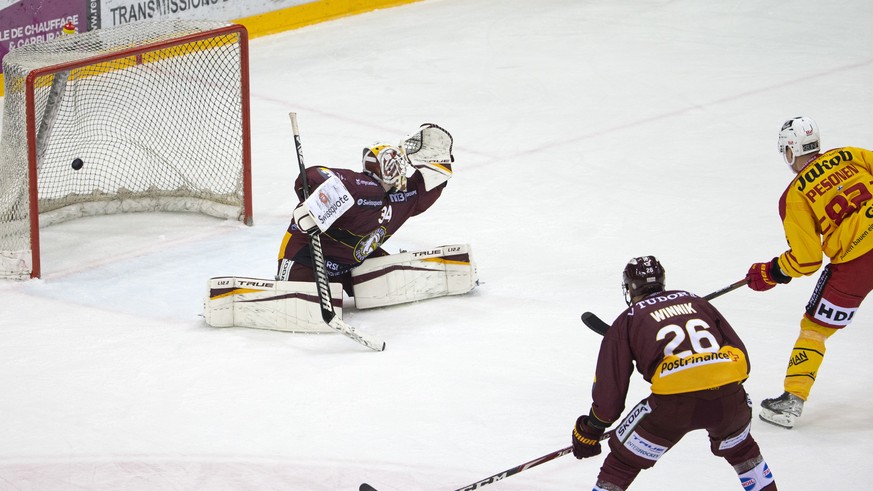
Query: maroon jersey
pixel 361 231
pixel 679 342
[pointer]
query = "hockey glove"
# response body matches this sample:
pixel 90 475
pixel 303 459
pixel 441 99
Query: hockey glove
pixel 764 276
pixel 304 220
pixel 586 438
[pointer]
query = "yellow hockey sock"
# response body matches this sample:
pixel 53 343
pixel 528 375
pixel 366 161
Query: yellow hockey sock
pixel 806 358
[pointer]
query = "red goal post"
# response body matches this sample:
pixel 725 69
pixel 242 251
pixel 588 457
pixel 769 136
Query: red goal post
pixel 145 117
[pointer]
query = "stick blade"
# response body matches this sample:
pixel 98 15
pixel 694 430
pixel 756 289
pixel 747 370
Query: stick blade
pixel 594 323
pixel 350 332
pixel 366 487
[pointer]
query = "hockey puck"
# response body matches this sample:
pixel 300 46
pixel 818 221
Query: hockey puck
pixel 77 163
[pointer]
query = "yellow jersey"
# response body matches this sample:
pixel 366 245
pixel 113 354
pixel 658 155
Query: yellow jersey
pixel 828 210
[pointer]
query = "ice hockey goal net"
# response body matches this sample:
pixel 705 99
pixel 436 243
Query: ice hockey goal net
pixel 151 116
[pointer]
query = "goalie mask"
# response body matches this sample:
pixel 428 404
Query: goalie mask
pixel 642 276
pixel 800 135
pixel 386 164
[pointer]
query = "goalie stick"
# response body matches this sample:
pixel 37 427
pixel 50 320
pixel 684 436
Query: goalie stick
pixel 595 324
pixel 508 472
pixel 321 279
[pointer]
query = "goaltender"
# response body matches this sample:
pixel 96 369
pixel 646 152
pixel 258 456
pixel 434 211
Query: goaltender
pixel 354 213
pixel 364 209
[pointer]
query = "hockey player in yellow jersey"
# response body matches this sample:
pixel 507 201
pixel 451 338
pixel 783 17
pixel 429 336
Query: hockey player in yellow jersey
pixel 827 210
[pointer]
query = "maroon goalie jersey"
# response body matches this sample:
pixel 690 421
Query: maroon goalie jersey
pixel 679 342
pixel 361 231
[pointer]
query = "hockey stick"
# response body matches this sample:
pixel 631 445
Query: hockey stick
pixel 519 468
pixel 321 280
pixel 729 288
pixel 501 475
pixel 595 324
pixel 508 472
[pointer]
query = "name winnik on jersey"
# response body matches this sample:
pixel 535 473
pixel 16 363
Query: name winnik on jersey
pixel 668 311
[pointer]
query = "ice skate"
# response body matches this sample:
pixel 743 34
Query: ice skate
pixel 781 411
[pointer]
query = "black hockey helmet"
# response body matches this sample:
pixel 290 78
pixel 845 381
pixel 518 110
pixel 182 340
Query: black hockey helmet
pixel 642 276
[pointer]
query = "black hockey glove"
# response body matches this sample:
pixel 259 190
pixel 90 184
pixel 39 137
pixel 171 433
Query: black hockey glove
pixel 586 438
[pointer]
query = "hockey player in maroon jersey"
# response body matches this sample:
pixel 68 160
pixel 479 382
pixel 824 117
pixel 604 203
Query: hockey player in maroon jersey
pixel 696 365
pixel 380 199
pixel 827 210
pixel 353 213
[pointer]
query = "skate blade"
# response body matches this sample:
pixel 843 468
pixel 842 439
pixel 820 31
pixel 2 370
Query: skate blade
pixel 783 420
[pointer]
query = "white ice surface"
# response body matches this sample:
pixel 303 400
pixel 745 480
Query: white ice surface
pixel 585 133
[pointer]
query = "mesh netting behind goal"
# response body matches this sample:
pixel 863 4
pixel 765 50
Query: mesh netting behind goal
pixel 151 116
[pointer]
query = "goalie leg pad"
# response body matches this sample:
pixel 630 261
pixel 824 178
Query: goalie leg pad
pixel 291 306
pixel 411 276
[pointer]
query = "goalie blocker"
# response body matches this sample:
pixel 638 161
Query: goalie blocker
pixel 294 306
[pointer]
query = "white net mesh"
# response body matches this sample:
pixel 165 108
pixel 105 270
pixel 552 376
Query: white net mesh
pixel 153 112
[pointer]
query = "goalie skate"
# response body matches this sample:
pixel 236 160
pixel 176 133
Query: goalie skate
pixel 781 411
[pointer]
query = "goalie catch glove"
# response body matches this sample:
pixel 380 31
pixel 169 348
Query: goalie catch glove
pixel 430 151
pixel 304 220
pixel 430 144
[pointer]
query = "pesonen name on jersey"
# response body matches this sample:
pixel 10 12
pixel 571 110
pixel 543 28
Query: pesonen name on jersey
pixel 818 169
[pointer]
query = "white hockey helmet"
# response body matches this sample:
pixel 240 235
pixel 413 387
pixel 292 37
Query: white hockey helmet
pixel 801 136
pixel 387 164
